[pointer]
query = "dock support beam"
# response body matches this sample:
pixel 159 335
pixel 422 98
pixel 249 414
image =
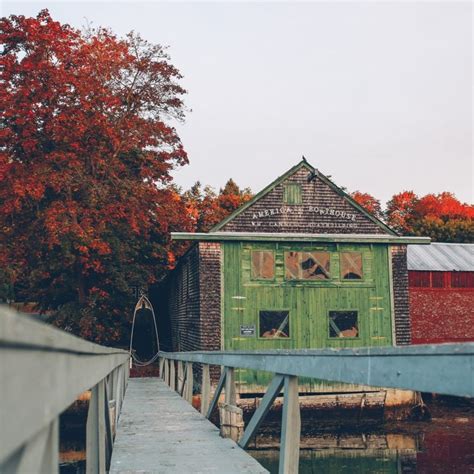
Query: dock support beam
pixel 291 428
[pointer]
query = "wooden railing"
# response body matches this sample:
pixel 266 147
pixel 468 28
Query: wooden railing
pixel 444 369
pixel 42 371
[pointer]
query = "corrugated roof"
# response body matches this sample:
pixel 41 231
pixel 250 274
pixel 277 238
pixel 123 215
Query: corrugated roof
pixel 441 257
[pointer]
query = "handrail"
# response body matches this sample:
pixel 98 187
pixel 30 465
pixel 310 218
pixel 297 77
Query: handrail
pixel 42 371
pixel 445 369
pixel 442 368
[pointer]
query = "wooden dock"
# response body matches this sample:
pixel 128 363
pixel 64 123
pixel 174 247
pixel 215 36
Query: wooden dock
pixel 160 432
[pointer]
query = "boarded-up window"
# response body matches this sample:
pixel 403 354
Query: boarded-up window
pixel 292 194
pixel 307 265
pixel 343 324
pixel 274 324
pixel 462 279
pixel 351 266
pixel 263 265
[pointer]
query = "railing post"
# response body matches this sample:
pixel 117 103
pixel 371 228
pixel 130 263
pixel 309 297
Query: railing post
pixel 291 428
pixel 172 375
pixel 167 372
pixel 40 453
pixel 95 431
pixel 180 377
pixel 230 392
pixel 188 389
pixel 162 364
pixel 205 389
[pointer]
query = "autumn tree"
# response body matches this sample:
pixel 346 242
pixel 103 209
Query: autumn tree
pixel 207 208
pixel 439 216
pixel 86 151
pixel 368 202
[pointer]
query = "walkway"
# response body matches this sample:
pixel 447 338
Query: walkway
pixel 160 432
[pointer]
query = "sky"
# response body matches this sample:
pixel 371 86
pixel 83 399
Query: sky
pixel 377 95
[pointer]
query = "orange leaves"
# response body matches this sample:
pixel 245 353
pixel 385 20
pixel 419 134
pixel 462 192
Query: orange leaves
pixel 85 143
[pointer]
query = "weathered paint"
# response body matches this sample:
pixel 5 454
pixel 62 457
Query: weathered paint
pixel 308 302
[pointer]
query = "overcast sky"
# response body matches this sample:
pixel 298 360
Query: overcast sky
pixel 378 95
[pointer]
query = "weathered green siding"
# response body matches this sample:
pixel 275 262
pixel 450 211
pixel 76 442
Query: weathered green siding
pixel 308 302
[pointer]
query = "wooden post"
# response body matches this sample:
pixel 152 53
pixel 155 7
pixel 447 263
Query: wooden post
pixel 95 431
pixel 188 390
pixel 205 389
pixel 180 377
pixel 167 372
pixel 162 371
pixel 172 375
pixel 40 454
pixel 291 428
pixel 230 393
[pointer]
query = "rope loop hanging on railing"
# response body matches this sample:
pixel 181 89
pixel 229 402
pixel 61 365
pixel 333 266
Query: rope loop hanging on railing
pixel 144 303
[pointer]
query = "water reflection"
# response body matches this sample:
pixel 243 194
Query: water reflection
pixel 443 445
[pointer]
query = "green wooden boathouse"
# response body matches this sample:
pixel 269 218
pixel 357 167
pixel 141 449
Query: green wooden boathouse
pixel 301 265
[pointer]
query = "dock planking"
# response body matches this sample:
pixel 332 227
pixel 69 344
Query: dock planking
pixel 159 432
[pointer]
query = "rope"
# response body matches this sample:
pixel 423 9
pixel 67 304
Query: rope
pixel 144 303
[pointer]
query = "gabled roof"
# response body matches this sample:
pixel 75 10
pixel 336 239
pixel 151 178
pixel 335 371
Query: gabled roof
pixel 442 257
pixel 303 164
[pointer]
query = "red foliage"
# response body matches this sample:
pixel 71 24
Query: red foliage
pixel 368 202
pixel 439 216
pixel 206 208
pixel 85 160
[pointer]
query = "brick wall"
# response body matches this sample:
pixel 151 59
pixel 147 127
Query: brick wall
pixel 304 218
pixel 400 295
pixel 441 315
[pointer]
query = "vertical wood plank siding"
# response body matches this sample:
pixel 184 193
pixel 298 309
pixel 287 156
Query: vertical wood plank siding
pixel 308 302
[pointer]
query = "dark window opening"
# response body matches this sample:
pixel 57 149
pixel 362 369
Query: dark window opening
pixel 263 265
pixel 343 324
pixel 462 279
pixel 351 266
pixel 419 279
pixel 437 280
pixel 307 265
pixel 274 324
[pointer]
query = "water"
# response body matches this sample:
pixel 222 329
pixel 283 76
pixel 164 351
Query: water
pixel 443 445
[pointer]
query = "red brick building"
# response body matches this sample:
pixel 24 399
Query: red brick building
pixel 441 292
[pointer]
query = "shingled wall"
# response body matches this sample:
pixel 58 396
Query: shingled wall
pixel 194 299
pixel 400 295
pixel 309 217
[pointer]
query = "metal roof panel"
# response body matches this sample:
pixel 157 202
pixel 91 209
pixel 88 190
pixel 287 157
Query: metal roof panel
pixel 441 257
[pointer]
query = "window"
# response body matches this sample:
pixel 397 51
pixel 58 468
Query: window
pixel 307 265
pixel 462 279
pixel 292 194
pixel 274 324
pixel 419 279
pixel 343 324
pixel 351 266
pixel 263 265
pixel 437 280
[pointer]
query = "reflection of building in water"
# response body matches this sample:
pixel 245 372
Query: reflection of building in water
pixel 344 453
pixel 299 266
